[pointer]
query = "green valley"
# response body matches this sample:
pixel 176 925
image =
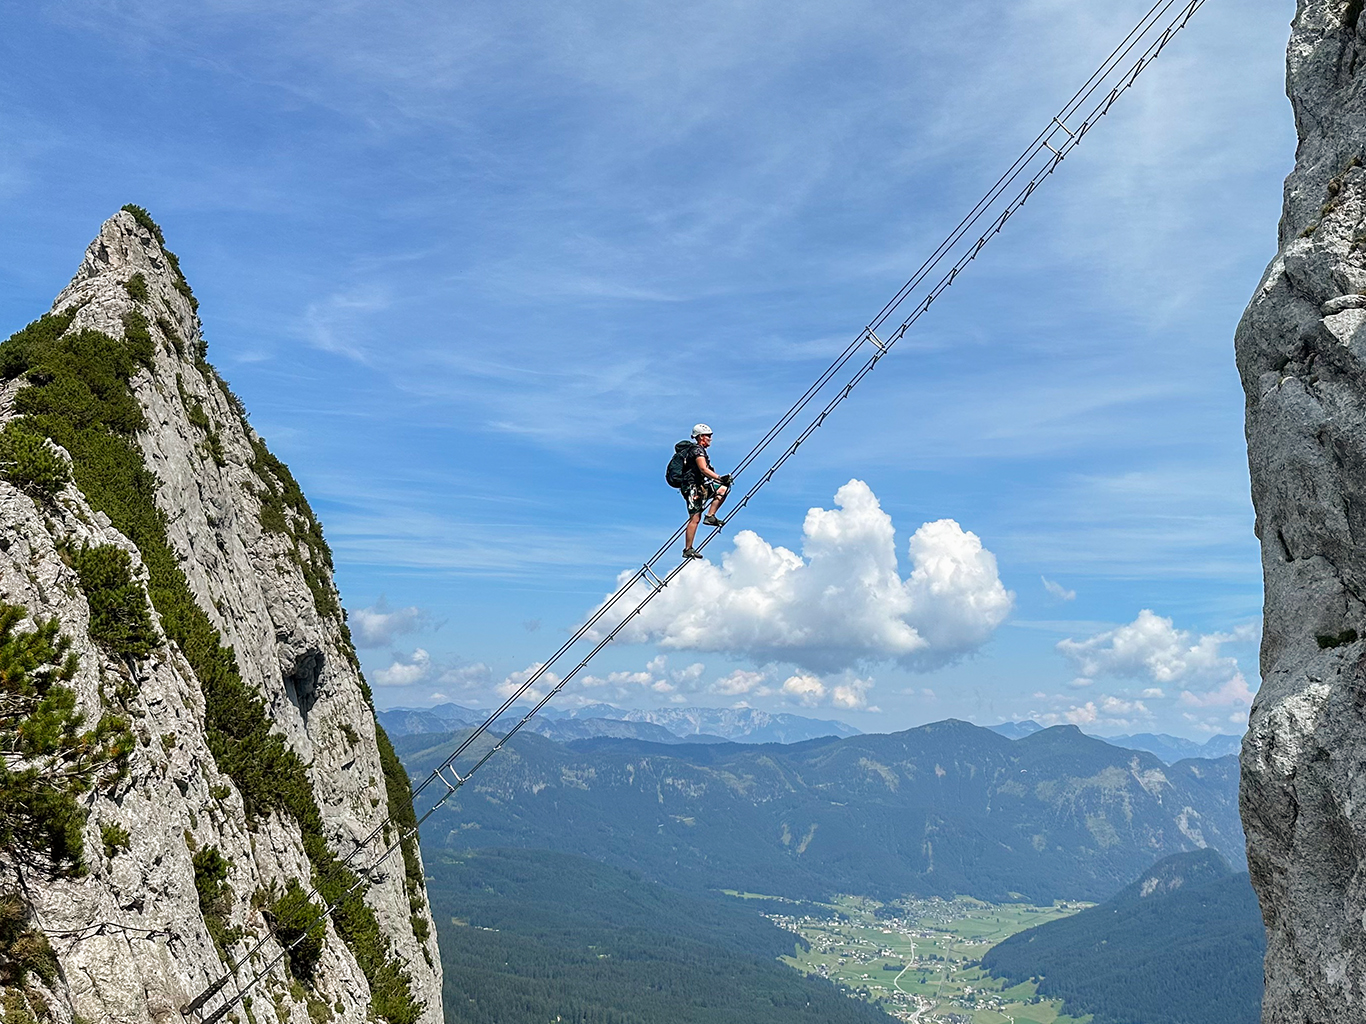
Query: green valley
pixel 624 882
pixel 921 958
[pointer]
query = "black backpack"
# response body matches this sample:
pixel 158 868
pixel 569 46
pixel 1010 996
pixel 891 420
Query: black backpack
pixel 677 473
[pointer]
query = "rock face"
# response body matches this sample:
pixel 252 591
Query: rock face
pixel 135 939
pixel 1301 350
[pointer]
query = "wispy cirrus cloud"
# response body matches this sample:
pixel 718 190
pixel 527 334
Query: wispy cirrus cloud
pixel 401 217
pixel 1057 590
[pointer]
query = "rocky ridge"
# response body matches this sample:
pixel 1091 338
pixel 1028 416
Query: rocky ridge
pixel 190 852
pixel 1301 351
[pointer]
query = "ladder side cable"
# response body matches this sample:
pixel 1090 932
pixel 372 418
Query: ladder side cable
pixel 1057 140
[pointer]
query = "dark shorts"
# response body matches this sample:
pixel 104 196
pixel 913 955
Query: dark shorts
pixel 697 495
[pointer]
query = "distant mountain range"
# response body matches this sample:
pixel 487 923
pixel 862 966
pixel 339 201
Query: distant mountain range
pixel 943 809
pixel 664 725
pixel 1183 944
pixel 1169 748
pixel 739 725
pixel 1173 748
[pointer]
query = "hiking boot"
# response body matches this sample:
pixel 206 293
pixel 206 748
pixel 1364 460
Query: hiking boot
pixel 691 553
pixel 713 521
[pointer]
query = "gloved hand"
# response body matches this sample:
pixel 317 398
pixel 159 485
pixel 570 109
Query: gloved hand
pixel 725 480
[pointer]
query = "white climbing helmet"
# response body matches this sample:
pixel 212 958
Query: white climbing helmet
pixel 700 429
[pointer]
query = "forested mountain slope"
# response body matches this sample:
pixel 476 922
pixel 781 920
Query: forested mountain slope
pixel 529 936
pixel 943 809
pixel 1181 945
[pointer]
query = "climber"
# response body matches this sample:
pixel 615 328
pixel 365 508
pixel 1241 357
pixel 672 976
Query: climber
pixel 690 471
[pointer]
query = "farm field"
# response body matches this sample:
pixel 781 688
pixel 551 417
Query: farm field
pixel 919 958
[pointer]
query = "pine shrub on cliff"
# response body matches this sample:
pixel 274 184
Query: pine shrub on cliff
pixel 51 759
pixel 31 464
pixel 119 620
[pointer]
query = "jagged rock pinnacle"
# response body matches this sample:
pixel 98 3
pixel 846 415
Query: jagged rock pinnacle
pixel 188 852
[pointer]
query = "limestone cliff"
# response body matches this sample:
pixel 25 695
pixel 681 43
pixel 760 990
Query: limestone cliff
pixel 1301 350
pixel 239 761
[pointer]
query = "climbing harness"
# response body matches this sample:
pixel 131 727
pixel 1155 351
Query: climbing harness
pixel 1115 76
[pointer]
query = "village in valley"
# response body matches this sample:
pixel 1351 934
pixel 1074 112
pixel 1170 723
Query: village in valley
pixel 920 959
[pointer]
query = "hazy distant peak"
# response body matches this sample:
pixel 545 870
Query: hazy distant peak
pixel 745 725
pixel 1168 748
pixel 1175 748
pixel 742 725
pixel 1016 730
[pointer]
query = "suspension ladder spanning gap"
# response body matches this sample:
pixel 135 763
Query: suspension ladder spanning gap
pixel 1064 133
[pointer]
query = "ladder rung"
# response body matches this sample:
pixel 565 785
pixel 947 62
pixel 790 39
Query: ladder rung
pixel 459 779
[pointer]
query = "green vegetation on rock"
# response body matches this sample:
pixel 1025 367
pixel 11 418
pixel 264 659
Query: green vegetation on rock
pixel 194 411
pixel 294 919
pixel 31 464
pixel 136 286
pixel 215 896
pixel 171 335
pixel 285 510
pixel 398 789
pixel 1331 640
pixel 137 337
pixel 113 837
pixel 23 950
pixel 52 759
pixel 119 619
pixel 145 220
pixel 81 398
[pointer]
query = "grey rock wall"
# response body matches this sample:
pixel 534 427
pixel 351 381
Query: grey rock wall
pixel 1301 351
pixel 131 943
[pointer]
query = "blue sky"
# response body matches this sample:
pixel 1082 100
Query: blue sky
pixel 474 268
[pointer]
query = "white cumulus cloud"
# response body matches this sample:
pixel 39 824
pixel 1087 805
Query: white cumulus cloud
pixel 1106 711
pixel 515 680
pixel 467 676
pixel 842 601
pixel 1151 648
pixel 1234 691
pixel 741 682
pixel 844 690
pixel 378 625
pixel 805 690
pixel 656 677
pixel 406 671
pixel 851 695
